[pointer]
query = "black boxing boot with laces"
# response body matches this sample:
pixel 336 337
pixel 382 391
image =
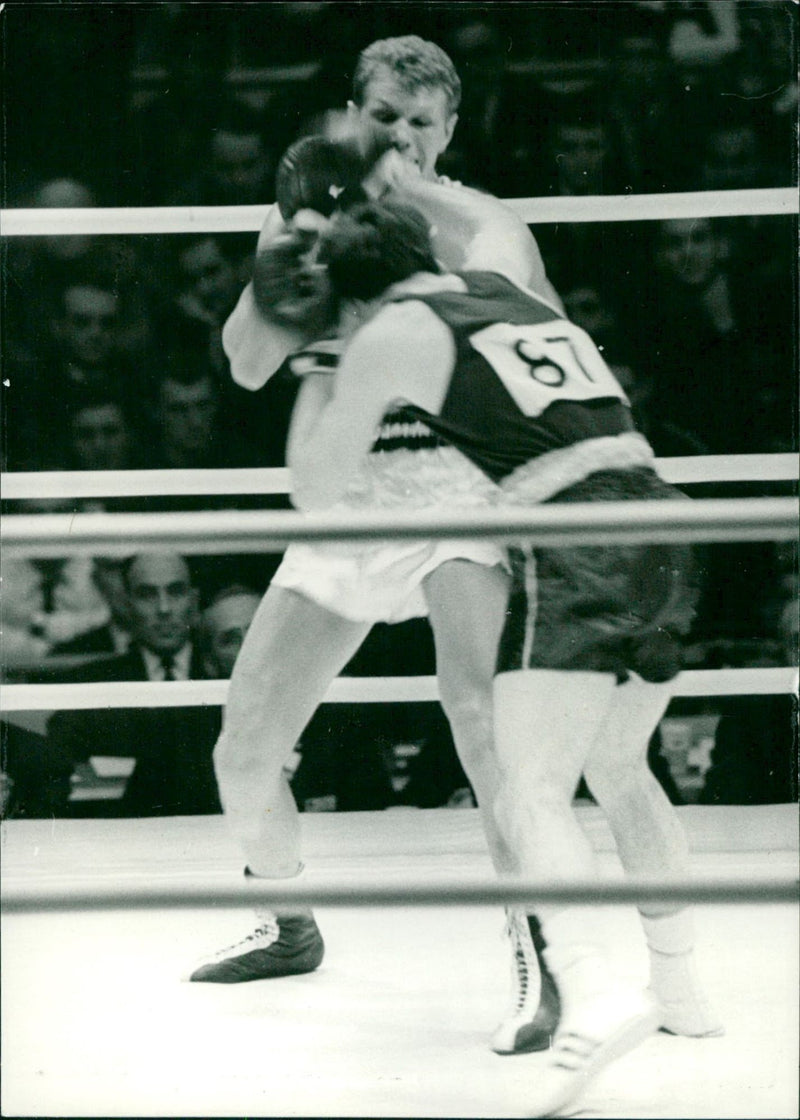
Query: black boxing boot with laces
pixel 284 943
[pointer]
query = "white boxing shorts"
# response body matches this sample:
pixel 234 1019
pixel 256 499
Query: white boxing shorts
pixel 382 582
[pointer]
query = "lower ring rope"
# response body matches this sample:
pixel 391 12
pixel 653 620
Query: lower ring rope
pixel 17 899
pixel 344 690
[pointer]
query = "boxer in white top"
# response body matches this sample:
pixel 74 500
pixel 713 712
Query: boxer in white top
pixel 324 598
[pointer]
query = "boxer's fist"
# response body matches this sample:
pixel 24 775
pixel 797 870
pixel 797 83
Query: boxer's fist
pixel 313 174
pixel 289 287
pixel 389 172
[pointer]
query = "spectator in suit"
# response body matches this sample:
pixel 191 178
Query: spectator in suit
pixel 342 763
pixel 38 267
pixel 478 50
pixel 591 306
pixel 371 756
pixel 576 151
pixel 173 774
pixel 754 759
pixel 237 167
pixel 35 779
pixel 582 150
pixel 100 434
pixel 45 601
pixel 207 284
pixel 224 623
pixel 710 327
pixel 643 99
pixel 81 354
pixel 114 636
pixel 201 282
pixel 187 417
pixel 193 427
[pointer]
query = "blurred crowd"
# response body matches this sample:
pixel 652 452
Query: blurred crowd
pixel 112 355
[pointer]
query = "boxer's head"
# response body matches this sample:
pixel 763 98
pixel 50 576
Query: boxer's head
pixel 374 245
pixel 406 94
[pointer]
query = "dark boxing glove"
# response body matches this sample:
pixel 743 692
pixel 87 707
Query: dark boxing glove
pixel 318 174
pixel 288 289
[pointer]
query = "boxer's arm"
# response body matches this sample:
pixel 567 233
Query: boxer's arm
pixel 476 231
pixel 406 353
pixel 255 348
pixel 471 230
pixel 501 242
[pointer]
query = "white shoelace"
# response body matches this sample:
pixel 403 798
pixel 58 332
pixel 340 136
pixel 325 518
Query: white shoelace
pixel 268 929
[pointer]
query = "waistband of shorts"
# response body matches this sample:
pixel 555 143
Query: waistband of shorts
pixel 424 478
pixel 541 478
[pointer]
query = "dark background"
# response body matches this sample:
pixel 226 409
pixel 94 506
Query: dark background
pixel 125 103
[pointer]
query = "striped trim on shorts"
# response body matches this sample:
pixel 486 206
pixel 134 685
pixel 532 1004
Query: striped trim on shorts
pixel 606 609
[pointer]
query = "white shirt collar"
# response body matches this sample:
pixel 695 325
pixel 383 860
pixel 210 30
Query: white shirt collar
pixel 180 667
pixel 121 638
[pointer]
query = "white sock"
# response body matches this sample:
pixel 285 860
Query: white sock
pixel 674 979
pixel 266 912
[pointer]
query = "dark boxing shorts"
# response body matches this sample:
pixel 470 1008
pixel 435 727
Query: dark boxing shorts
pixel 602 609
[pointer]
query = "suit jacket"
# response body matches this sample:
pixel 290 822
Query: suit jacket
pixel 173 747
pixel 99 640
pixel 40 776
pixel 754 760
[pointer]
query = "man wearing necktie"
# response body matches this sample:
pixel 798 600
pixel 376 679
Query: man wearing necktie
pixel 173 774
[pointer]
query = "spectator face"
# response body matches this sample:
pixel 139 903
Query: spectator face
pixel 87 328
pixel 188 414
pixel 240 165
pixel 585 307
pixel 580 152
pixel 227 622
pixel 65 194
pixel 477 51
pixel 100 438
pixel 688 250
pixel 415 122
pixel 789 630
pixel 639 67
pixel 732 160
pixel 210 278
pixel 162 602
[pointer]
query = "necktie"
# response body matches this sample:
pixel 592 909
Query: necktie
pixel 168 661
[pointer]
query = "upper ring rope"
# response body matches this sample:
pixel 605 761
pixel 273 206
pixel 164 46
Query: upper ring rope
pixel 781 467
pixel 536 211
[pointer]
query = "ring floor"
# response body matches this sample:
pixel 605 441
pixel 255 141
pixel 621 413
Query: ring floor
pixel 98 1020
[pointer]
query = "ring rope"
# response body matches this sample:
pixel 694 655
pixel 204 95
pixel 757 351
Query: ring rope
pixel 553 525
pixel 344 690
pixel 775 518
pixel 22 898
pixel 25 222
pixel 780 467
